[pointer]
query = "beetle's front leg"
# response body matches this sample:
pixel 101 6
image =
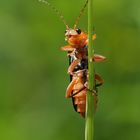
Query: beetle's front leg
pixel 93 38
pixel 67 48
pixel 98 58
pixel 73 65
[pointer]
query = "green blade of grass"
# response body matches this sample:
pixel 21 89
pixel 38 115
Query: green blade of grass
pixel 89 118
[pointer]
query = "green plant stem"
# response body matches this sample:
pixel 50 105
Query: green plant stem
pixel 89 118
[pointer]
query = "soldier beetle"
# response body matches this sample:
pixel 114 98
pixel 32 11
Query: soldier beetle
pixel 77 49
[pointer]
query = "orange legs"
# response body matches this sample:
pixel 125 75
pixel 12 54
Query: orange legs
pixel 99 80
pixel 67 48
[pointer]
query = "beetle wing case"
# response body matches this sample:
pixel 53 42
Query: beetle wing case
pixel 81 66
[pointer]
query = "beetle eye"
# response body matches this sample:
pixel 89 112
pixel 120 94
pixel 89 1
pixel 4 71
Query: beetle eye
pixel 78 31
pixel 65 31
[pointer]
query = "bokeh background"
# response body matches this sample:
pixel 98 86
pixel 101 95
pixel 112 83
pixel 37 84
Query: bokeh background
pixel 33 70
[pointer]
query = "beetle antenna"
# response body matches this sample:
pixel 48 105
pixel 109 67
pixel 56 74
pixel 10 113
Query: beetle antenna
pixel 81 13
pixel 58 13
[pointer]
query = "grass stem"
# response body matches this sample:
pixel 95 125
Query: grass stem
pixel 89 118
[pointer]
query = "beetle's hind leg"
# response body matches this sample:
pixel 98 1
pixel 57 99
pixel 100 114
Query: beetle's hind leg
pixel 99 79
pixel 94 93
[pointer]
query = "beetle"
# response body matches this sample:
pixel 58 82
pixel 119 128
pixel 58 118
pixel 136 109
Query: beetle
pixel 78 69
pixel 77 50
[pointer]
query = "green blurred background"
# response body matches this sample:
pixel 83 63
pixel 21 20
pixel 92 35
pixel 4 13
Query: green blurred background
pixel 33 71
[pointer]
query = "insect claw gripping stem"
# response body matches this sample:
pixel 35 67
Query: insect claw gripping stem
pixel 93 91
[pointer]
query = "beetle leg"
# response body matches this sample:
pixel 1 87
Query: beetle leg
pixel 93 38
pixel 86 85
pixel 67 48
pixel 77 92
pixel 70 88
pixel 73 65
pixel 99 79
pixel 98 58
pixel 71 53
pixel 94 93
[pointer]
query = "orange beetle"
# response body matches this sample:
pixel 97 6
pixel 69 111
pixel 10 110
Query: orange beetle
pixel 78 68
